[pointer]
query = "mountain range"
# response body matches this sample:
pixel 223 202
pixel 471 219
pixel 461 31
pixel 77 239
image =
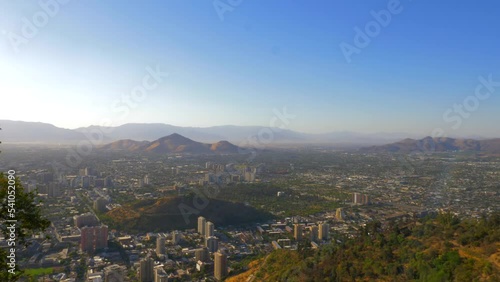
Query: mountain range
pixel 174 143
pixel 36 132
pixel 159 137
pixel 445 144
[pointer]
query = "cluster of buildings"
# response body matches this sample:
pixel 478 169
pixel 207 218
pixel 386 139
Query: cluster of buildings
pixel 113 272
pixel 45 184
pixel 227 174
pixel 93 234
pixel 87 178
pixel 206 229
pixel 360 199
pixel 158 266
pixel 314 232
pixel 53 186
pixel 367 194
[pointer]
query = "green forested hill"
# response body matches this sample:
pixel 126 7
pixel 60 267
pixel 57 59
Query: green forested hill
pixel 439 249
pixel 180 212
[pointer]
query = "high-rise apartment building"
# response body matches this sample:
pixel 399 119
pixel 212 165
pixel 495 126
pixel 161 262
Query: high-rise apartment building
pixel 297 231
pixel 324 228
pixel 93 238
pixel 202 222
pixel 212 243
pixel 220 266
pixel 176 237
pixel 146 273
pixel 202 254
pixel 114 273
pixel 160 245
pixel 360 199
pixel 314 232
pixel 160 274
pixel 339 214
pixel 209 229
pixel 86 219
pixel 100 204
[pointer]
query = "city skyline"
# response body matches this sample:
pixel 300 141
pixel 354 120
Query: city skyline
pixel 205 67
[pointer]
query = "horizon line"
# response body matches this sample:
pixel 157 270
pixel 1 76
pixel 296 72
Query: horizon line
pixel 410 135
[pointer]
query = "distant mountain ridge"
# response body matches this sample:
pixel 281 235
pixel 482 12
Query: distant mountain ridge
pixel 445 144
pixel 36 132
pixel 126 144
pixel 243 136
pixel 174 143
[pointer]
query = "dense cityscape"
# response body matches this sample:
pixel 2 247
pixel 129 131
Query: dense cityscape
pixel 249 141
pixel 102 227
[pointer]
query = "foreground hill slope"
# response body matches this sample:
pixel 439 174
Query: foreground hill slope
pixel 440 249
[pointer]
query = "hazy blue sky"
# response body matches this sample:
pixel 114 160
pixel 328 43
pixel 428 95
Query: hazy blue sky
pixel 78 63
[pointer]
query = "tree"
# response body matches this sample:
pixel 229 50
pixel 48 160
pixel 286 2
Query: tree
pixel 24 208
